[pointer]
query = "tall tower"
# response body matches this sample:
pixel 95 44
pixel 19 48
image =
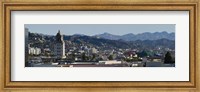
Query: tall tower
pixel 59 46
pixel 26 46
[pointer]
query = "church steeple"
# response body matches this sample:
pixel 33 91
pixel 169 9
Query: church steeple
pixel 59 46
pixel 59 37
pixel 59 31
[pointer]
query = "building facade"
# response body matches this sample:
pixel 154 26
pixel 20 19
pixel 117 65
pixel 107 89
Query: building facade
pixel 59 46
pixel 34 51
pixel 93 50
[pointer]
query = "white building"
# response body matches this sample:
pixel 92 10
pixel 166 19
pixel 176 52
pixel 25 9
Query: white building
pixel 93 50
pixel 110 62
pixel 34 51
pixel 59 46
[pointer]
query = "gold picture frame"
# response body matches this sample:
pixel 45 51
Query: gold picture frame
pixel 96 5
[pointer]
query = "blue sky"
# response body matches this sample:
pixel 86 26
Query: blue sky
pixel 93 29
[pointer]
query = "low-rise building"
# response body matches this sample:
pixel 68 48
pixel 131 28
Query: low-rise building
pixel 93 50
pixel 155 59
pixel 34 51
pixel 110 62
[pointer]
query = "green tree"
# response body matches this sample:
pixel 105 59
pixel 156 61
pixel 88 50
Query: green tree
pixel 143 54
pixel 73 56
pixel 93 56
pixel 83 56
pixel 168 58
pixel 110 57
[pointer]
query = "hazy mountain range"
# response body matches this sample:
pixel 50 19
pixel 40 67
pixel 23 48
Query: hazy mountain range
pixel 142 36
pixel 106 40
pixel 101 42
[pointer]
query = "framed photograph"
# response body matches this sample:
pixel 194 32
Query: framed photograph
pixel 100 44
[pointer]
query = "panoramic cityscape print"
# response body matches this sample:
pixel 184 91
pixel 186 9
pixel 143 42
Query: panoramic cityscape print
pixel 99 45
